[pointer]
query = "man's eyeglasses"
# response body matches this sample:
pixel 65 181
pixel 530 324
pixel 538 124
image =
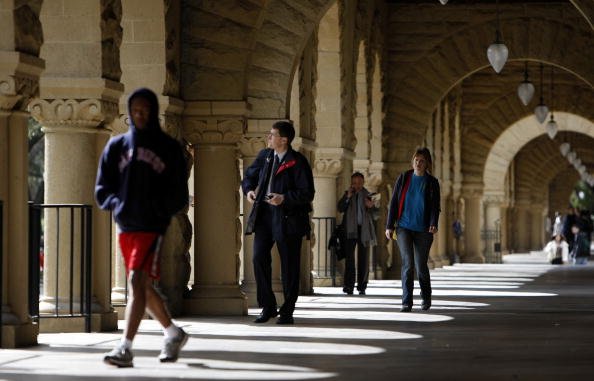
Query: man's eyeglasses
pixel 274 134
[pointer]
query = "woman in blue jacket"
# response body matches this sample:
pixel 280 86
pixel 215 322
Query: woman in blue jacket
pixel 414 213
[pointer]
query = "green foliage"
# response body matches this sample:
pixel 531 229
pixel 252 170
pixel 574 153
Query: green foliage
pixel 36 161
pixel 582 196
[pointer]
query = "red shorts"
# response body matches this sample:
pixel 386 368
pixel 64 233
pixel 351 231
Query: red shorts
pixel 141 251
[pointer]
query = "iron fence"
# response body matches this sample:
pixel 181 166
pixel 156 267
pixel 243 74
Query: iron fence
pixel 324 258
pixel 46 245
pixel 492 239
pixel 1 266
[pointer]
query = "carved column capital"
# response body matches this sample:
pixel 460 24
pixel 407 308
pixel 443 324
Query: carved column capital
pixel 73 113
pixel 214 122
pixel 375 176
pixel 213 130
pixel 327 167
pixel 19 79
pixel 251 145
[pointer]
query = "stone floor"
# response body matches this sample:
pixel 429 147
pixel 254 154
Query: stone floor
pixel 522 320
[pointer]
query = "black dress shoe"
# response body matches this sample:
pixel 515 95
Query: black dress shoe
pixel 425 306
pixel 406 308
pixel 265 316
pixel 348 291
pixel 285 320
pixel 361 292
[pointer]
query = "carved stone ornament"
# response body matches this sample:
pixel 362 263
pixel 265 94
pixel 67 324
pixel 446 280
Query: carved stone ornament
pixel 327 167
pixel 71 112
pixel 213 130
pixel 15 91
pixel 250 146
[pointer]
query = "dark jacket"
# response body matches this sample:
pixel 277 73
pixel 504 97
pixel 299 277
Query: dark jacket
pixel 432 200
pixel 581 245
pixel 294 180
pixel 142 175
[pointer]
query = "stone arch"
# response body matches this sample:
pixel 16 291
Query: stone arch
pixel 511 141
pixel 487 116
pixel 255 58
pixel 440 63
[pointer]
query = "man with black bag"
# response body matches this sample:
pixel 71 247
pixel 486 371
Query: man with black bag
pixel 280 185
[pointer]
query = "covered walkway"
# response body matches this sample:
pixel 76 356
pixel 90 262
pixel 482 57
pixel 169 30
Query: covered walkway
pixel 521 320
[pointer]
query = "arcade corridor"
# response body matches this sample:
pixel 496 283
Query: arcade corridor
pixel 523 320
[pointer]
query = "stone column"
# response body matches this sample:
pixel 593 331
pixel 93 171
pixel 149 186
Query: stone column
pixel 73 142
pixel 473 225
pixel 216 128
pixel 537 226
pixel 325 170
pixel 19 79
pixel 522 223
pixel 377 259
pixel 249 147
pixel 492 223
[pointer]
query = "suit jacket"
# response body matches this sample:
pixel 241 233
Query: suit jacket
pixel 294 180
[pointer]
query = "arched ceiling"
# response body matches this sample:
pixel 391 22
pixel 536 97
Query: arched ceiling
pixel 539 162
pixel 246 49
pixel 490 105
pixel 436 47
pixel 513 139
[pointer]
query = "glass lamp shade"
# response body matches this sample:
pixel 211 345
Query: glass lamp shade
pixel 551 128
pixel 444 2
pixel 541 111
pixel 497 55
pixel 525 92
pixel 581 169
pixel 571 157
pixel 590 181
pixel 576 163
pixel 564 148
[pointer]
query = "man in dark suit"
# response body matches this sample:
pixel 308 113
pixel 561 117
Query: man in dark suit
pixel 280 185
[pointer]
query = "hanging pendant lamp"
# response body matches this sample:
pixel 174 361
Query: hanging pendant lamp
pixel 497 52
pixel 551 126
pixel 526 88
pixel 564 148
pixel 444 2
pixel 541 111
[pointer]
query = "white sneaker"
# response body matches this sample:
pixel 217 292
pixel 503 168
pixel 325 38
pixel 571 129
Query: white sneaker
pixel 172 346
pixel 120 357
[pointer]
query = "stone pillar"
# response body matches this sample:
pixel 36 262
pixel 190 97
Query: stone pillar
pixel 19 79
pixel 523 230
pixel 492 224
pixel 216 128
pixel 325 170
pixel 73 143
pixel 536 226
pixel 377 259
pixel 249 147
pixel 473 224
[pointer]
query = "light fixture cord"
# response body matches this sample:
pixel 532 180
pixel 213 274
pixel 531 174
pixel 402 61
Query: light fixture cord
pixel 541 84
pixel 552 91
pixel 498 28
pixel 526 71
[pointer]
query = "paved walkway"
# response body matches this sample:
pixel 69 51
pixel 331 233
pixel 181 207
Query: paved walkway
pixel 522 320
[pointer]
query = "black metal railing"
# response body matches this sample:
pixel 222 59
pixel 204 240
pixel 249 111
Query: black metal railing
pixel 1 265
pixel 325 263
pixel 77 218
pixel 492 240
